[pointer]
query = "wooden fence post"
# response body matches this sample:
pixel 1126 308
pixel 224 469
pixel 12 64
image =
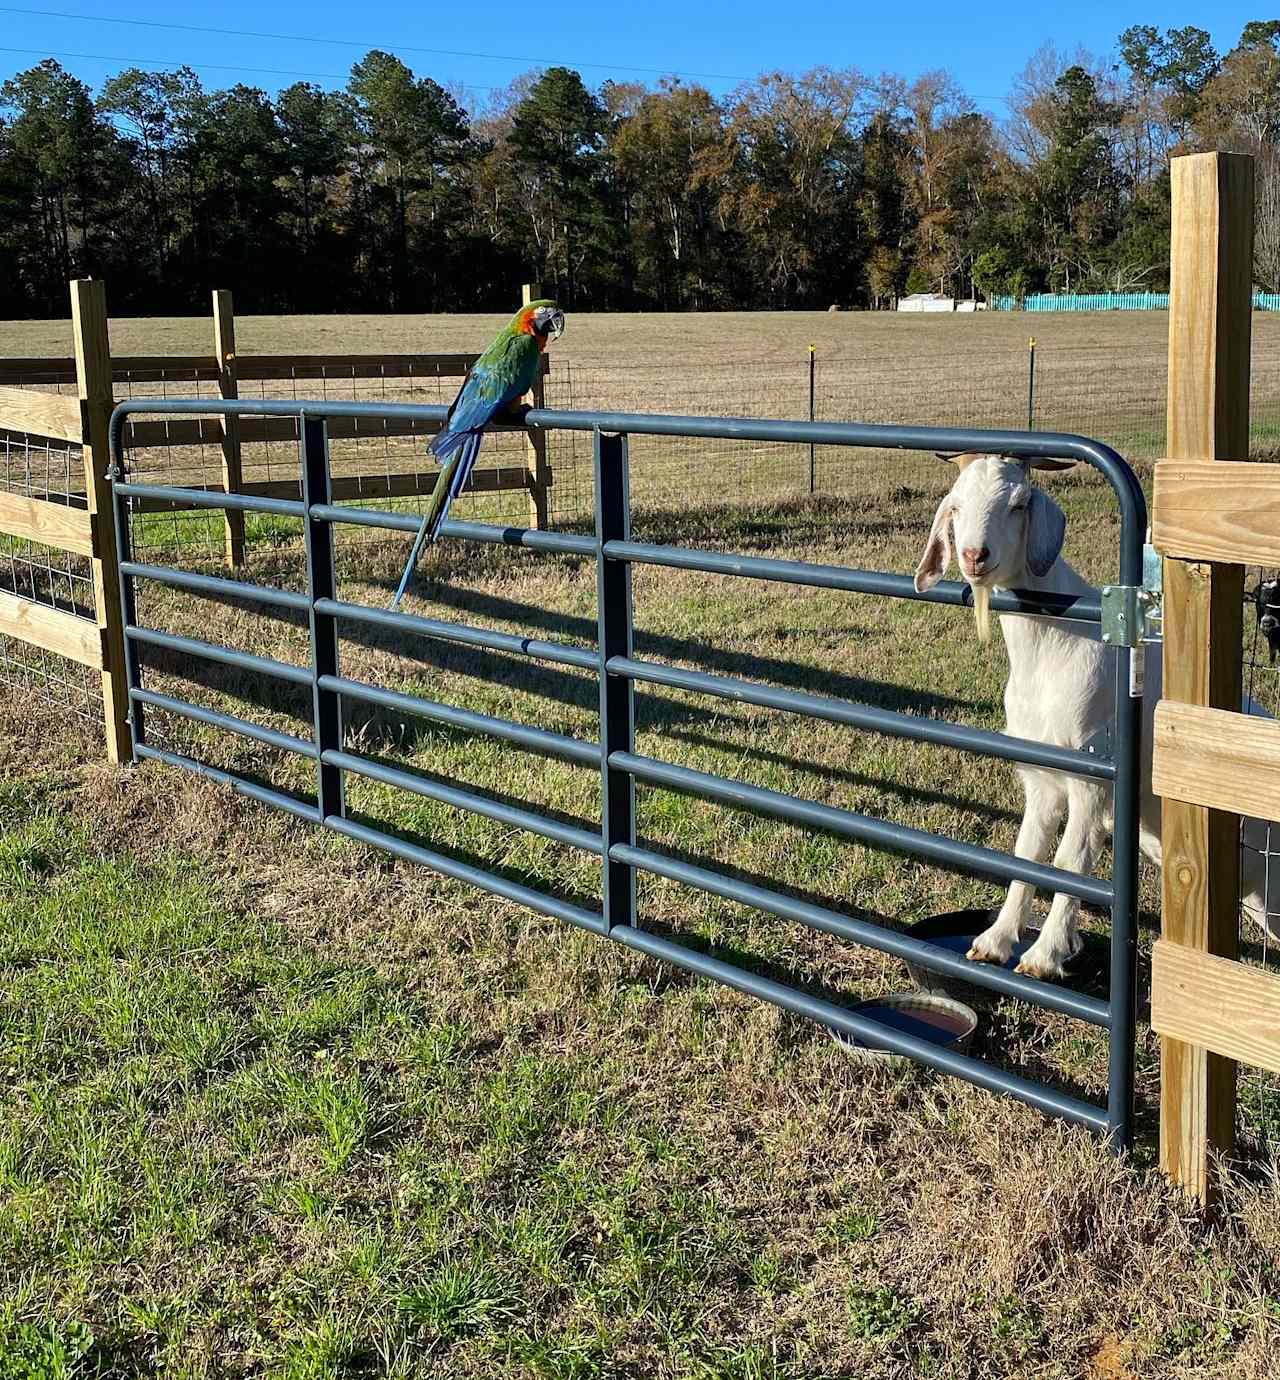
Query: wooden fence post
pixel 93 377
pixel 535 444
pixel 224 348
pixel 1208 419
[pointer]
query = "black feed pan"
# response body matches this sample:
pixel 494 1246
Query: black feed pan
pixel 957 929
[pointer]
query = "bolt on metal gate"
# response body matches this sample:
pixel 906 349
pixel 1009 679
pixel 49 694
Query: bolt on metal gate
pixel 618 669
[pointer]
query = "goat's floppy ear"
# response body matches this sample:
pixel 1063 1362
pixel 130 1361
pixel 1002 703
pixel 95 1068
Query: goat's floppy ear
pixel 937 550
pixel 1052 464
pixel 1046 528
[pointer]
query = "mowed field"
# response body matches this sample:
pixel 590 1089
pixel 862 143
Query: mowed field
pixel 629 338
pixel 738 361
pixel 1100 374
pixel 272 1104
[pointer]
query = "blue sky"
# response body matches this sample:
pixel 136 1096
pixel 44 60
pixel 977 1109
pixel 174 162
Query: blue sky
pixel 719 43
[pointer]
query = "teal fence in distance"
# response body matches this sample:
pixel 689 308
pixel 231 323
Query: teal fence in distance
pixel 1110 301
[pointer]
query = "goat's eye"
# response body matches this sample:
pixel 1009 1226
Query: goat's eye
pixel 1020 497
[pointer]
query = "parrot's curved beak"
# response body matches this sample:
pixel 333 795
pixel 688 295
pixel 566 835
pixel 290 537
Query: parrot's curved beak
pixel 555 327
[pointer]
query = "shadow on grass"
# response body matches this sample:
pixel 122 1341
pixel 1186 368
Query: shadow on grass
pixel 791 674
pixel 376 730
pixel 1001 1031
pixel 1017 1039
pixel 1010 1034
pixel 656 712
pixel 764 524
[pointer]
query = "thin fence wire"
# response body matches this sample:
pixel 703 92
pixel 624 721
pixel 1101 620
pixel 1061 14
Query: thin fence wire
pixel 52 472
pixel 1078 390
pixel 1259 1090
pixel 1075 391
pixel 1102 393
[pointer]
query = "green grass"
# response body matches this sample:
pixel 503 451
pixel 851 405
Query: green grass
pixel 273 1105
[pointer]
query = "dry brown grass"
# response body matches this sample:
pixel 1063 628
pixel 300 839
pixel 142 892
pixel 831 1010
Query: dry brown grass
pixel 680 340
pixel 1099 374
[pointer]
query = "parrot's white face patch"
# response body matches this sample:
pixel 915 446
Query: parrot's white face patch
pixel 549 321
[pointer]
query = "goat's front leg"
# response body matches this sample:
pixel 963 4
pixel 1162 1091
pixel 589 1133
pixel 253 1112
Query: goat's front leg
pixel 1082 839
pixel 1040 818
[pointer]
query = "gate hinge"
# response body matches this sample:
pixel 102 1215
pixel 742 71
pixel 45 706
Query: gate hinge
pixel 1133 614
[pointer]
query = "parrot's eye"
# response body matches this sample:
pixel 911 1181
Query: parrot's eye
pixel 550 321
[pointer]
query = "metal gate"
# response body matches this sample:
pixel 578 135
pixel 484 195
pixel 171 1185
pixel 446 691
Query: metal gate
pixel 617 669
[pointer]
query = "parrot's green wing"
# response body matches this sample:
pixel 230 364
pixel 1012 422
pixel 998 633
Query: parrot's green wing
pixel 502 374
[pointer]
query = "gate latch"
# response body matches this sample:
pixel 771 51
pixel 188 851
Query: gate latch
pixel 1132 614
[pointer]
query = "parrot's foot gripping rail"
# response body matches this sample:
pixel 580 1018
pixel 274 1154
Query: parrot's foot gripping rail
pixel 613 756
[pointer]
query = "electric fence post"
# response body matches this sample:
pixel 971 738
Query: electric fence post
pixel 812 462
pixel 1031 383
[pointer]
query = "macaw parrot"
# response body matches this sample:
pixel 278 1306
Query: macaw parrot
pixel 494 384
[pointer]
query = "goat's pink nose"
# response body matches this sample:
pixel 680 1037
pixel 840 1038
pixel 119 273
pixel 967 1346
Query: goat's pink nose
pixel 974 555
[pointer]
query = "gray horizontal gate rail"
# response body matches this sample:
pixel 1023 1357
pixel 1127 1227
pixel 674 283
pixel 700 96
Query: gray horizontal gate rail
pixel 617 669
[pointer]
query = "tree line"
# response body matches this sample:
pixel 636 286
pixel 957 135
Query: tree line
pixel 794 191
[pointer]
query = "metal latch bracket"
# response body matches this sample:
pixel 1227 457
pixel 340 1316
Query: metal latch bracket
pixel 1132 614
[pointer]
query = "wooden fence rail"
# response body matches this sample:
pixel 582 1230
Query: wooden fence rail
pixel 96 641
pixel 82 522
pixel 46 521
pixel 48 415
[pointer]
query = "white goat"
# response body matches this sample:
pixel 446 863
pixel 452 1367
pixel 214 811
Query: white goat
pixel 1008 535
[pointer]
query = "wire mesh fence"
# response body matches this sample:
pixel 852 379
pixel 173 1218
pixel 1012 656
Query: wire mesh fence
pixel 53 472
pixel 1259 1090
pixel 1075 390
pixel 1100 392
pixel 32 672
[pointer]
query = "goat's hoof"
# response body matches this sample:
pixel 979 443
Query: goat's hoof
pixel 1045 969
pixel 984 950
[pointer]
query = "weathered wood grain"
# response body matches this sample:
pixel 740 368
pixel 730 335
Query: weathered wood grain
pixel 1229 511
pixel 51 524
pixel 53 629
pixel 40 414
pixel 1226 1007
pixel 1217 758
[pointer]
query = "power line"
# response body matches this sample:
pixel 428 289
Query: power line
pixel 360 43
pixel 156 63
pixel 152 63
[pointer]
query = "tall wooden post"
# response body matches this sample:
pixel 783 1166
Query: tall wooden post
pixel 1210 302
pixel 93 376
pixel 224 347
pixel 535 444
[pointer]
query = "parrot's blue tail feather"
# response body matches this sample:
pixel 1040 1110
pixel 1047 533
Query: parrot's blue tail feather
pixel 444 443
pixel 412 561
pixel 449 484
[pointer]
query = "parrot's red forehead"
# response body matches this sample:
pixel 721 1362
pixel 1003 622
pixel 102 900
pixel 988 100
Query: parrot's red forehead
pixel 524 326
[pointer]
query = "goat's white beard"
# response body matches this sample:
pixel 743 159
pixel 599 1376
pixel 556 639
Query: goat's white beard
pixel 982 611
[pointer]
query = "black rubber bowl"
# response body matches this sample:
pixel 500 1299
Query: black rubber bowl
pixel 957 929
pixel 931 1016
